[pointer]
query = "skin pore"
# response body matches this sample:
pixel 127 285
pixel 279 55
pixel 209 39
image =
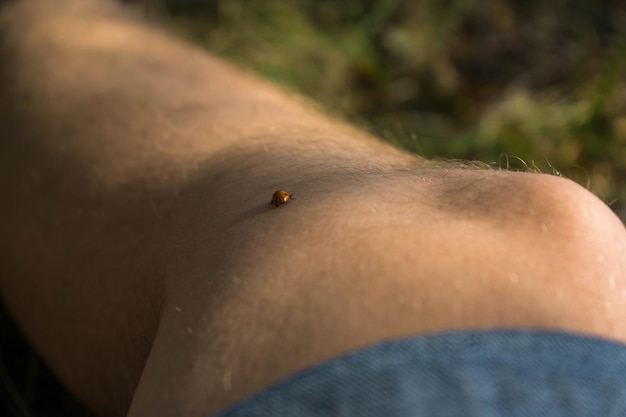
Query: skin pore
pixel 142 259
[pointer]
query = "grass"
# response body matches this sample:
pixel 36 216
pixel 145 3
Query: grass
pixel 524 85
pixel 501 80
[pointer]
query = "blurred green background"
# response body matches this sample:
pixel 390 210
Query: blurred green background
pixel 520 84
pixel 528 85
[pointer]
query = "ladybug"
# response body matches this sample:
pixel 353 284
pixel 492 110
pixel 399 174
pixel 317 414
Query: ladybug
pixel 280 197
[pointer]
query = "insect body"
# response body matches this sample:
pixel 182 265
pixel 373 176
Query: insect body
pixel 280 197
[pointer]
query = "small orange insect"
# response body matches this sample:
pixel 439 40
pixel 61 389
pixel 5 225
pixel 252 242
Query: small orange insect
pixel 280 197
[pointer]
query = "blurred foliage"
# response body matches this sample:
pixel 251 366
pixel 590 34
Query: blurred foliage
pixel 521 84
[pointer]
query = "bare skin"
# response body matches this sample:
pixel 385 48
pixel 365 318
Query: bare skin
pixel 140 255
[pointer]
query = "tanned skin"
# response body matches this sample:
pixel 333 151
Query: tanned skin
pixel 141 257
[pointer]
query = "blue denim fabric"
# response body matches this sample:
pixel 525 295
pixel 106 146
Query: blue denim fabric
pixel 459 374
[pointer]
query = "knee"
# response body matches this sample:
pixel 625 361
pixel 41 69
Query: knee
pixel 581 227
pixel 553 252
pixel 576 247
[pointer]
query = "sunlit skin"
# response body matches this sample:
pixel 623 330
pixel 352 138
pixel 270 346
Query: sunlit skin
pixel 141 258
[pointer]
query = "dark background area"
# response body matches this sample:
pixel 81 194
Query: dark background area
pixel 526 85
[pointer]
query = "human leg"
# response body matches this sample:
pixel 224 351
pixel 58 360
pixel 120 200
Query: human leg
pixel 139 179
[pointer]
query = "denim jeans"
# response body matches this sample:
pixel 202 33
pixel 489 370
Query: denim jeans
pixel 458 374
